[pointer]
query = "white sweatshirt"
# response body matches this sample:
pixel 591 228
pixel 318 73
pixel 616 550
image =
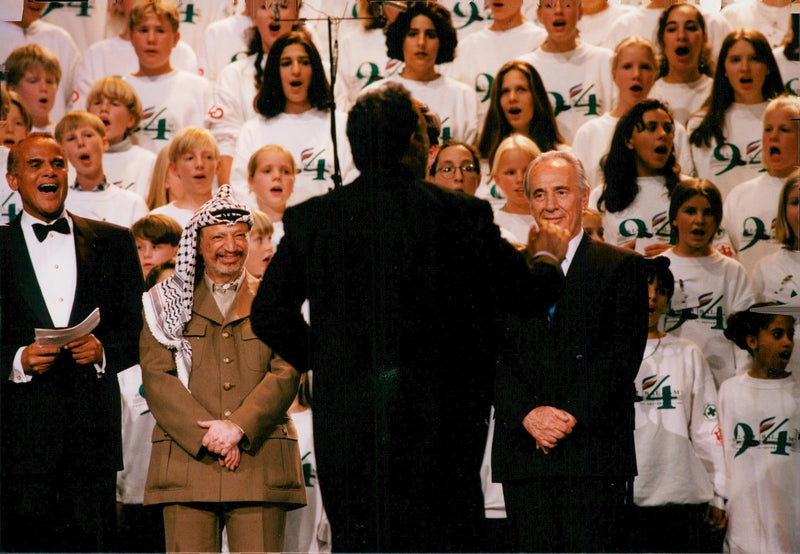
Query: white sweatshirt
pixel 453 101
pixel 578 82
pixel 307 136
pixel 170 102
pixel 760 421
pixel 684 99
pixel 738 159
pixel 362 61
pixel 112 205
pixel 483 53
pixel 129 166
pixel 771 21
pixel 646 219
pixel 55 39
pixel 233 95
pixel 224 42
pixel 84 21
pixel 707 290
pixel 116 56
pixel 749 215
pixel 678 451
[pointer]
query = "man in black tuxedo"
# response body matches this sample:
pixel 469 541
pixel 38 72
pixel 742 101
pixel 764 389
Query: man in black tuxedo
pixel 563 445
pixel 402 279
pixel 60 425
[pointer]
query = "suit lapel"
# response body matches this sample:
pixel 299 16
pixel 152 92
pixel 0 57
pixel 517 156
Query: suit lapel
pixel 86 259
pixel 23 275
pixel 571 300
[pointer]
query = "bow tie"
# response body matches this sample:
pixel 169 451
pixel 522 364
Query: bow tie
pixel 41 230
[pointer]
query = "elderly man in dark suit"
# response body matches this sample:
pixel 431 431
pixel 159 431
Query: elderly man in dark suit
pixel 60 423
pixel 402 279
pixel 564 399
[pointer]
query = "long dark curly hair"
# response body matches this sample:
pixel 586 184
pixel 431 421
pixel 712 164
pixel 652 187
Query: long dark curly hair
pixel 620 171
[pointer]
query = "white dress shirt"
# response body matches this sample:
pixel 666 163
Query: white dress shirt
pixel 55 265
pixel 572 247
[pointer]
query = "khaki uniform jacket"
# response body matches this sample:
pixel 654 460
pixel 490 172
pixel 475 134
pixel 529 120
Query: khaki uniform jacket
pixel 234 376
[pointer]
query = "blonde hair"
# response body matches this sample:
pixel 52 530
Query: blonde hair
pixel 30 58
pixel 116 88
pixel 262 225
pixel 190 138
pixel 783 231
pixel 514 141
pixel 635 40
pixel 157 194
pixel 77 119
pixel 5 102
pixel 787 102
pixel 15 99
pixel 252 163
pixel 162 9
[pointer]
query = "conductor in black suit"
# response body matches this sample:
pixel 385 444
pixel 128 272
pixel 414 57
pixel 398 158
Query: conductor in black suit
pixel 60 421
pixel 402 279
pixel 563 445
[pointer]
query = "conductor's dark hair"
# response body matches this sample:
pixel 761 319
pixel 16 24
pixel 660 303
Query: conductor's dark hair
pixel 748 323
pixel 442 22
pixel 270 100
pixel 380 126
pixel 657 270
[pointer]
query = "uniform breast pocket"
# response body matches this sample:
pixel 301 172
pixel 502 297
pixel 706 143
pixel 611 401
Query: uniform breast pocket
pixel 172 463
pixel 255 353
pixel 195 332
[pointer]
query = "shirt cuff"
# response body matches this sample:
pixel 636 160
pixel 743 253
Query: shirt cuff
pixel 18 374
pixel 718 502
pixel 101 367
pixel 547 255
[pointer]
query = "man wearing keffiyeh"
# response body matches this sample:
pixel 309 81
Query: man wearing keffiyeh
pixel 224 449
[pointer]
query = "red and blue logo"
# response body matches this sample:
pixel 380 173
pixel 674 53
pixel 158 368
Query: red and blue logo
pixel 766 424
pixel 306 154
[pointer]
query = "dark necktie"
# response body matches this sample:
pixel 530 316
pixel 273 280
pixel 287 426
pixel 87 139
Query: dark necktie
pixel 41 230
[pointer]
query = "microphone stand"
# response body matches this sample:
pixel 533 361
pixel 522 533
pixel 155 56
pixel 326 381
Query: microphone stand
pixel 333 58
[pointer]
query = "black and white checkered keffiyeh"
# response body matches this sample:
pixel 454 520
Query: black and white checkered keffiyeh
pixel 168 305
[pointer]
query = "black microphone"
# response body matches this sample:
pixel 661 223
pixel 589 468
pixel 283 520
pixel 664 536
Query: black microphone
pixel 276 10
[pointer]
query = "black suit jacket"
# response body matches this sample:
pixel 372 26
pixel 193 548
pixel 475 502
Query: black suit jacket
pixel 68 418
pixel 584 363
pixel 402 279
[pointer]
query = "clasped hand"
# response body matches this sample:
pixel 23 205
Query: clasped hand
pixel 548 425
pixel 223 438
